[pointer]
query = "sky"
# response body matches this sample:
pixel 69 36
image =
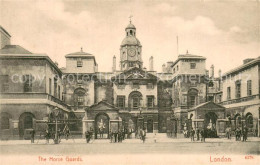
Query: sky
pixel 225 32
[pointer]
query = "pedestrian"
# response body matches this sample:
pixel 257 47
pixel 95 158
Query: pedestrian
pixel 87 136
pixel 240 134
pixel 47 136
pixel 244 132
pixel 59 135
pixel 115 136
pixel 32 135
pixel 192 133
pixel 142 133
pixel 202 134
pixel 67 133
pixel 119 136
pixel 198 134
pixel 111 136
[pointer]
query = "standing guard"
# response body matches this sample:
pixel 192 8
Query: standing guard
pixel 32 135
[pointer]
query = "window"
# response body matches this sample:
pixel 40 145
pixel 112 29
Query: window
pixel 174 70
pixel 238 89
pixel 136 102
pixel 79 62
pixel 59 92
pixel 27 83
pixel 121 101
pixel 192 101
pixel 5 122
pixel 228 93
pixel 50 86
pixel 80 100
pixel 4 83
pixel 249 87
pixel 177 67
pixel 192 65
pixel 150 101
pixel 55 87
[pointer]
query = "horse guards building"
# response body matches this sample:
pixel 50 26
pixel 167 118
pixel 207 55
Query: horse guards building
pixel 36 93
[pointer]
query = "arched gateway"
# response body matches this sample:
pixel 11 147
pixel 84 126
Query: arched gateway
pixel 102 126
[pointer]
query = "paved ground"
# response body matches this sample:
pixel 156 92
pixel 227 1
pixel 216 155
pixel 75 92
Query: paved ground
pixel 129 146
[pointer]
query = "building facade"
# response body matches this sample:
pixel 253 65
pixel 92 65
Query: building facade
pixel 184 95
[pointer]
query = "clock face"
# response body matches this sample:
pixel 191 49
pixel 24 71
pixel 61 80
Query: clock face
pixel 131 52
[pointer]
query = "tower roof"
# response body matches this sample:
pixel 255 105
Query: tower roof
pixel 130 40
pixel 130 26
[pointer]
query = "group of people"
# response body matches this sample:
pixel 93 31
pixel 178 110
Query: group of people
pixel 200 135
pixel 50 134
pixel 238 133
pixel 116 136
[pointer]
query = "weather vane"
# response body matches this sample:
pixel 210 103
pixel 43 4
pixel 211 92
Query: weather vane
pixel 130 18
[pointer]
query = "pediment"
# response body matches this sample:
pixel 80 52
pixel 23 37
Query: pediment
pixel 102 106
pixel 210 106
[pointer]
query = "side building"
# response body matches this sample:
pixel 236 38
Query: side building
pixel 241 89
pixel 30 90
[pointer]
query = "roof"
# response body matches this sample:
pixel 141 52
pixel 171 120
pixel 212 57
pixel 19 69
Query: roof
pixel 188 56
pixel 242 67
pixel 81 53
pixel 208 106
pixel 130 40
pixel 103 105
pixel 14 49
pixel 130 26
pixel 5 31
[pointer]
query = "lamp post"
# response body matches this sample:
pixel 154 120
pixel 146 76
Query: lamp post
pixel 56 112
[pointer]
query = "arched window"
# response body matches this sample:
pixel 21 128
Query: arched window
pixel 249 120
pixel 5 122
pixel 192 97
pixel 135 99
pixel 79 94
pixel 238 121
pixel 28 122
pixel 131 32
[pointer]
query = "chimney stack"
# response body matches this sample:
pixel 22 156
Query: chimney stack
pixel 212 71
pixel 151 63
pixel 114 64
pixel 4 38
pixel 219 73
pixel 163 68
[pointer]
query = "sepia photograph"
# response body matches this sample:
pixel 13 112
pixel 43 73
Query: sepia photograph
pixel 129 82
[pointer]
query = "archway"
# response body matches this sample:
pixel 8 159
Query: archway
pixel 101 126
pixel 238 121
pixel 250 122
pixel 210 124
pixel 25 122
pixel 149 126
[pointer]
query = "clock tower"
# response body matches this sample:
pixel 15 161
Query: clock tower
pixel 130 50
